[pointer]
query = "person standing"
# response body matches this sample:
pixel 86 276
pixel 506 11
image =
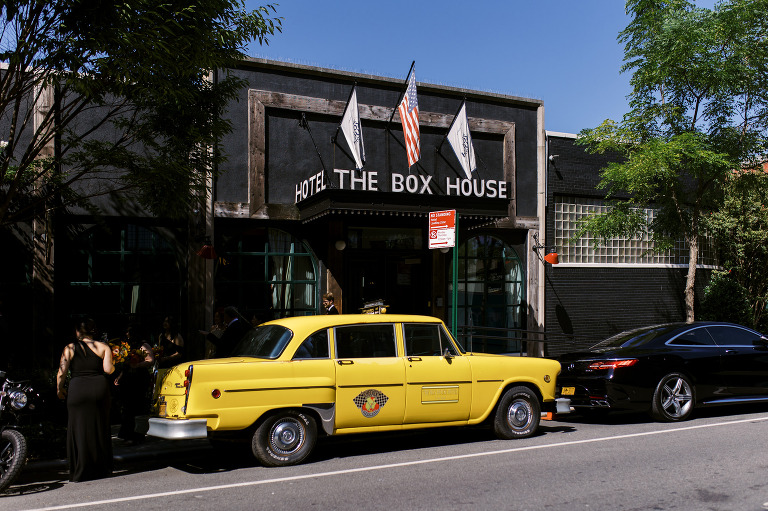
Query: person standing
pixel 236 328
pixel 172 344
pixel 134 385
pixel 330 307
pixel 89 438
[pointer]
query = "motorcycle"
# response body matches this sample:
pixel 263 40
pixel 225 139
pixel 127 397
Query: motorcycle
pixel 14 397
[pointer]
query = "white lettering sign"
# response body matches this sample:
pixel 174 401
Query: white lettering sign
pixel 416 184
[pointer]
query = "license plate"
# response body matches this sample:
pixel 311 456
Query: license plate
pixel 568 391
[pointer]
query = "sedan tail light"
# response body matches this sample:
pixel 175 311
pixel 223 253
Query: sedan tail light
pixel 612 364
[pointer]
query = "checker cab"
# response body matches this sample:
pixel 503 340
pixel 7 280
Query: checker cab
pixel 293 379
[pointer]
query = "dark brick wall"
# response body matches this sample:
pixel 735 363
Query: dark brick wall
pixel 589 303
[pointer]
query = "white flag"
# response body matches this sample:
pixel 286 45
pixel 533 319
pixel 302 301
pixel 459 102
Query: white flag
pixel 461 141
pixel 353 132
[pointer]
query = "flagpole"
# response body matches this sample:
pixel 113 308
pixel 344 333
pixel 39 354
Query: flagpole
pixel 401 95
pixel 304 124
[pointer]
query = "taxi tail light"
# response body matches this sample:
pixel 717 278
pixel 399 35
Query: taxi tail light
pixel 187 385
pixel 612 364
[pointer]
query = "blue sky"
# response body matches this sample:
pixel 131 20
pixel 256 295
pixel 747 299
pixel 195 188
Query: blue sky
pixel 563 52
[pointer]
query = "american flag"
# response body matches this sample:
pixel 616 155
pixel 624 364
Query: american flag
pixel 409 116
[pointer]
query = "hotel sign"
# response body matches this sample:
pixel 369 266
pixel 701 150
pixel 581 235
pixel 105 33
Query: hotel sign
pixel 417 184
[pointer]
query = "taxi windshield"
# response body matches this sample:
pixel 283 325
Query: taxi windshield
pixel 266 341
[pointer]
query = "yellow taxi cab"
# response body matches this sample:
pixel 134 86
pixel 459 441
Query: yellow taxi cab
pixel 293 379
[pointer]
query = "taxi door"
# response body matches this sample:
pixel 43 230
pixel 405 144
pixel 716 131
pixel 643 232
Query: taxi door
pixel 438 379
pixel 370 377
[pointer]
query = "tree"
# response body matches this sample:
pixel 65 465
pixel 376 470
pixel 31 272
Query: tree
pixel 740 227
pixel 698 110
pixel 108 97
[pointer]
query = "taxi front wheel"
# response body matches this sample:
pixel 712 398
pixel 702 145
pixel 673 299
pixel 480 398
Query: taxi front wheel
pixel 518 414
pixel 285 438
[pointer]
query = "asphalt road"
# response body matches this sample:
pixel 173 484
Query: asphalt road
pixel 718 460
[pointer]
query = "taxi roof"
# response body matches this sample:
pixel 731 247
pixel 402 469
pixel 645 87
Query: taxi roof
pixel 331 320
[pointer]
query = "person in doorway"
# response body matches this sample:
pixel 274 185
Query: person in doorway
pixel 172 344
pixel 330 307
pixel 89 436
pixel 236 328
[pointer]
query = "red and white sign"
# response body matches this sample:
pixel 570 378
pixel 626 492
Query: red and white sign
pixel 442 229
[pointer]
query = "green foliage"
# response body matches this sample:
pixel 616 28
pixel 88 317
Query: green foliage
pixel 699 109
pixel 725 300
pixel 129 98
pixel 740 227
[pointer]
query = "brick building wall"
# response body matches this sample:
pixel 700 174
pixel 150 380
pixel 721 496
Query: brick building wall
pixel 587 303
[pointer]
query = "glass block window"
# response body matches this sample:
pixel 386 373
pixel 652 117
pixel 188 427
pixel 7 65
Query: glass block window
pixel 569 211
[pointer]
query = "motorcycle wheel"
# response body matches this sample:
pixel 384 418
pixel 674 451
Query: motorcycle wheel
pixel 13 454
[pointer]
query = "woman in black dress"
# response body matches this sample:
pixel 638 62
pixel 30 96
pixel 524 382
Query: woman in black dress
pixel 89 438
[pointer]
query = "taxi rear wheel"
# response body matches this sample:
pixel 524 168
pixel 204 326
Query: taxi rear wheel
pixel 518 414
pixel 285 438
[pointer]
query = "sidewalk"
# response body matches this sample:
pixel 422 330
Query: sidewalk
pixel 152 448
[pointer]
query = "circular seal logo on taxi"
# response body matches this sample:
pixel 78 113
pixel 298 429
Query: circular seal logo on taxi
pixel 370 402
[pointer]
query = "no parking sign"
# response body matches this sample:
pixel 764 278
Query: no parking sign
pixel 442 229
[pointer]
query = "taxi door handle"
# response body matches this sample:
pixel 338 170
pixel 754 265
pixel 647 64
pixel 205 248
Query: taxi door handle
pixel 345 362
pixel 414 359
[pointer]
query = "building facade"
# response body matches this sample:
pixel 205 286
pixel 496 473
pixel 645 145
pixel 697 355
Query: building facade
pixel 596 292
pixel 289 218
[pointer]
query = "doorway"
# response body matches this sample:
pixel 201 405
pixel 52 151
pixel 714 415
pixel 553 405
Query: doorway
pixel 402 280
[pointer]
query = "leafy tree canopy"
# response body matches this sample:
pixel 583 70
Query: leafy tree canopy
pixel 111 97
pixel 698 110
pixel 740 226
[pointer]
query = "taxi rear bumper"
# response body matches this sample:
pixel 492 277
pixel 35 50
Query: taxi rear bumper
pixel 178 429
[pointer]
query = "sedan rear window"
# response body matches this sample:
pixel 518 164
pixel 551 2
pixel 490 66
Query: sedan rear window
pixel 637 337
pixel 266 341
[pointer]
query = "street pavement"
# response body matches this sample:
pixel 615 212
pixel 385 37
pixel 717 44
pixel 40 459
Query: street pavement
pixel 151 449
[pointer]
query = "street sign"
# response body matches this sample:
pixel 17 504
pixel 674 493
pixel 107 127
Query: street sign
pixel 442 229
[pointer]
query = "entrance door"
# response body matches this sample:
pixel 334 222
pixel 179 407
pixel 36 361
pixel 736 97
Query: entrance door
pixel 401 279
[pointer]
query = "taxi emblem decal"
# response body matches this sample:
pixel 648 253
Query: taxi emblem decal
pixel 370 402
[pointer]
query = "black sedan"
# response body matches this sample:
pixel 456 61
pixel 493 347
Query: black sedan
pixel 668 370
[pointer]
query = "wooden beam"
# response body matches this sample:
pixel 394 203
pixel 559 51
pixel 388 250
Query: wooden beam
pixel 371 112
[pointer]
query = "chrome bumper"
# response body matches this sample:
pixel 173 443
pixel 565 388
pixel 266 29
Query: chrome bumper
pixel 563 405
pixel 180 429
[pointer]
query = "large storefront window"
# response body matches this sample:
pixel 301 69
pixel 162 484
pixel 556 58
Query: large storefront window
pixel 128 274
pixel 269 273
pixel 491 295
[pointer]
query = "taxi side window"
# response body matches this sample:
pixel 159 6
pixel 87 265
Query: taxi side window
pixel 365 341
pixel 425 340
pixel 314 346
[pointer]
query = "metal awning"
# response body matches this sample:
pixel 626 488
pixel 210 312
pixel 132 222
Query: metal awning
pixel 359 203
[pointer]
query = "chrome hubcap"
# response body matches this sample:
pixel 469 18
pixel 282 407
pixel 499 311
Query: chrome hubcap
pixel 676 398
pixel 518 415
pixel 287 436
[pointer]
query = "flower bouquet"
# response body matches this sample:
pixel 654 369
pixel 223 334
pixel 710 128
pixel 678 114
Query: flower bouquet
pixel 121 350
